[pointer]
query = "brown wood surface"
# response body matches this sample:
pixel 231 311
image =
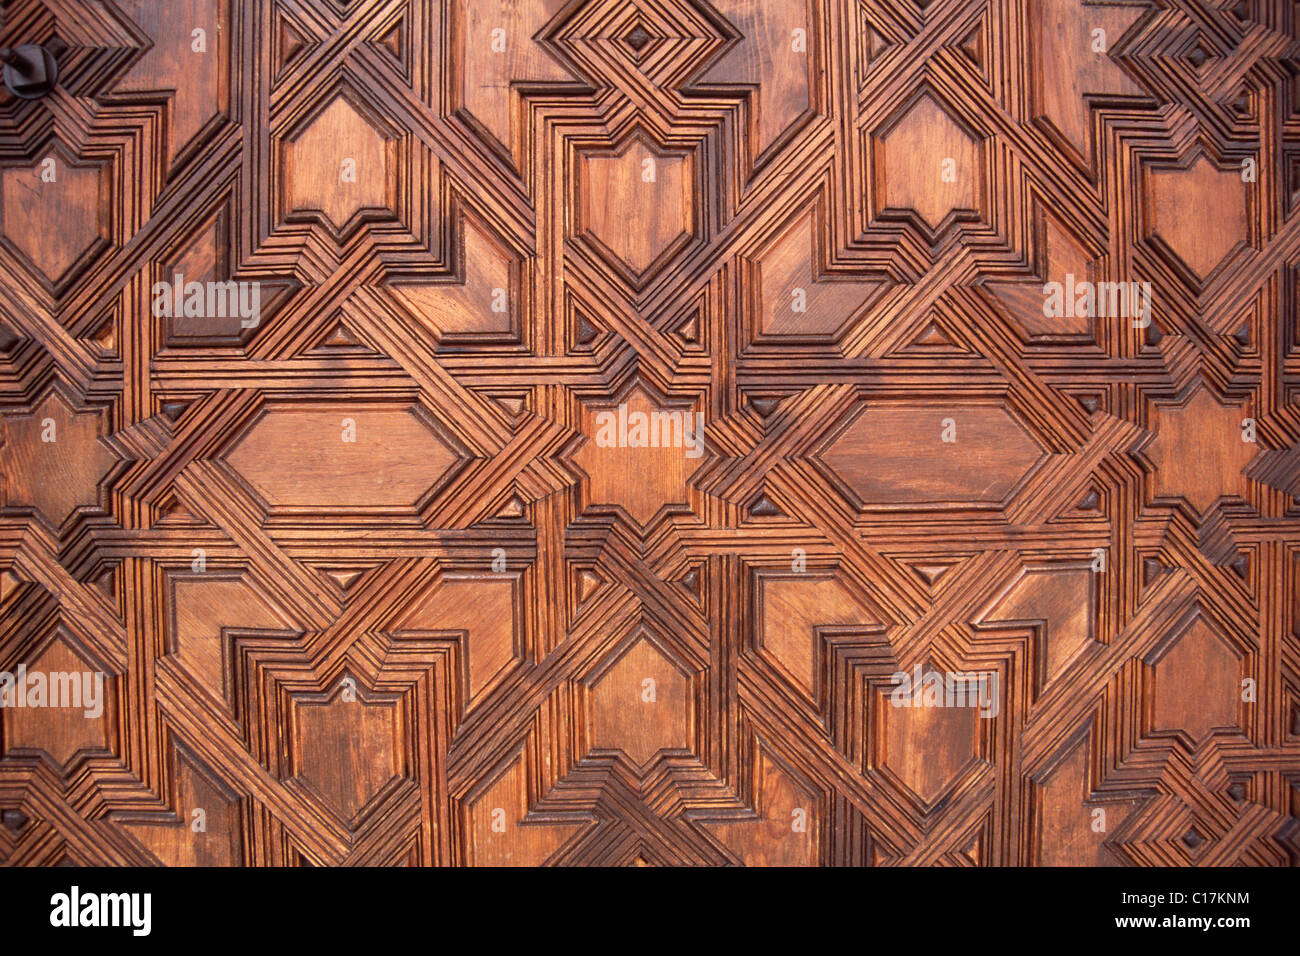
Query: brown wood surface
pixel 365 586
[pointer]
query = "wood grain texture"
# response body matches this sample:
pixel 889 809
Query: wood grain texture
pixel 421 565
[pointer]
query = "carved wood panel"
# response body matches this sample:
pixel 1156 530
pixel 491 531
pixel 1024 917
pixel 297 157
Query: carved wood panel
pixel 457 432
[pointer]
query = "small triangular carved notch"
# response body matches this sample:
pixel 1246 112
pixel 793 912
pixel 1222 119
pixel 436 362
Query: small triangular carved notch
pixel 1090 502
pixel 290 41
pixel 688 330
pixel 973 848
pixel 173 511
pixel 9 582
pixel 930 572
pixel 764 507
pixel 587 582
pixel 340 338
pixel 584 332
pixel 104 338
pixel 873 44
pixel 514 404
pixel 1152 568
pixel 972 44
pixel 392 41
pixel 508 508
pixel 1242 335
pixel 106 583
pixel 933 337
pixel 764 406
pixel 693 582
pixel 512 510
pixel 345 577
pixel 1241 565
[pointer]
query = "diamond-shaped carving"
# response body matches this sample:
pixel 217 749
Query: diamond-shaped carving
pixel 637 38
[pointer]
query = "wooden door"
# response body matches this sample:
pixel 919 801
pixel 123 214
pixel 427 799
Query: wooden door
pixel 651 432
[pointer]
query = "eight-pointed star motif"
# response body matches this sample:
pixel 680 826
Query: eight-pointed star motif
pixel 1198 451
pixel 639 479
pixel 54 476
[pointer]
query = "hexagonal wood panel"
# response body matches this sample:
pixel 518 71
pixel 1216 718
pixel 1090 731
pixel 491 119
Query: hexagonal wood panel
pixel 671 432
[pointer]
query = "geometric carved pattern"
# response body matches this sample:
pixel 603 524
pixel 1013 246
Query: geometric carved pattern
pixel 425 560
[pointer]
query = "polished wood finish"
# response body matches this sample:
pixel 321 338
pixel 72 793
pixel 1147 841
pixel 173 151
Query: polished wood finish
pixel 367 579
